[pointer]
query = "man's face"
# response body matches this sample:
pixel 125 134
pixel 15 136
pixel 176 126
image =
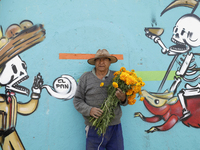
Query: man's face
pixel 102 64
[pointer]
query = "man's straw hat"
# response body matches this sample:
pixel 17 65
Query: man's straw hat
pixel 102 54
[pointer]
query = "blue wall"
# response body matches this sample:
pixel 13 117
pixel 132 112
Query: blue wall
pixel 84 26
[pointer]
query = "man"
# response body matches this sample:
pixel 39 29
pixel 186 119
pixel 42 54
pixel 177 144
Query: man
pixel 89 97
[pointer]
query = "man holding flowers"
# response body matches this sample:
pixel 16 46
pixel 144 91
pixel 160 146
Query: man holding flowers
pixel 90 95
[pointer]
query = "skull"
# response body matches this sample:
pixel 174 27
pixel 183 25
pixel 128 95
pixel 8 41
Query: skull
pixel 186 33
pixel 13 73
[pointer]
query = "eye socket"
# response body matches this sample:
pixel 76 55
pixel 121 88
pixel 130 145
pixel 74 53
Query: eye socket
pixel 189 35
pixel 24 66
pixel 175 29
pixel 14 68
pixel 156 101
pixel 183 31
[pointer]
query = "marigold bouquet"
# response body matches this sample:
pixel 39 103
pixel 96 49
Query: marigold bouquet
pixel 130 84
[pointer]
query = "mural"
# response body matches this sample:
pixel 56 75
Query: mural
pixel 17 39
pixel 74 30
pixel 13 71
pixel 173 106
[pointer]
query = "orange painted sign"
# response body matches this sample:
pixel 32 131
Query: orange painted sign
pixel 84 56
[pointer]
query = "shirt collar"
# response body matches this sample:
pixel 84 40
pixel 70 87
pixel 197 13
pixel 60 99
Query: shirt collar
pixel 93 71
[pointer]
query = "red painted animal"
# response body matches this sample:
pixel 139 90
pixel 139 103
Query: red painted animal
pixel 165 106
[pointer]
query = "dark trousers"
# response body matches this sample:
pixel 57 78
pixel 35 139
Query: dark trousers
pixel 112 140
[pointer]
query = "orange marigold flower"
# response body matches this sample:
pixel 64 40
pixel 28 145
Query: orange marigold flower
pixel 102 84
pixel 116 73
pixel 131 102
pixel 129 92
pixel 123 69
pixel 136 89
pixel 138 84
pixel 134 81
pixel 139 79
pixel 115 85
pixel 142 98
pixel 128 81
pixel 123 76
pixel 131 97
pixel 130 73
pixel 134 75
pixel 140 92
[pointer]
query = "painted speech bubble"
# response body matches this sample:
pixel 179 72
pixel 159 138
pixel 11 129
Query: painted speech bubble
pixel 64 87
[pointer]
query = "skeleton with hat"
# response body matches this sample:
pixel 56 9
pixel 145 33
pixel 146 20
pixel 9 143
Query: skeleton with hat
pixel 17 39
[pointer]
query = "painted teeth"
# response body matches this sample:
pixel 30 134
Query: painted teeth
pixel 18 82
pixel 177 48
pixel 21 88
pixel 177 42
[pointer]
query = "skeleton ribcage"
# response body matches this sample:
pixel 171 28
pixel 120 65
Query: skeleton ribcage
pixel 192 71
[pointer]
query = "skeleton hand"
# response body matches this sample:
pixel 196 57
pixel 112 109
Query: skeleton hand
pixel 152 36
pixel 37 84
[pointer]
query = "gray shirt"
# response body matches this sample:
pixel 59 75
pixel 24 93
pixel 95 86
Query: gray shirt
pixel 89 94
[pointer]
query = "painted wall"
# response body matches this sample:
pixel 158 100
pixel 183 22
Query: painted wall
pixel 82 27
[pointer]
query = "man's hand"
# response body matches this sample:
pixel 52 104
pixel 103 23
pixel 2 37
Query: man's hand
pixel 96 112
pixel 120 95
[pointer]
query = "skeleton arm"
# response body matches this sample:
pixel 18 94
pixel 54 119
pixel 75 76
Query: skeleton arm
pixel 157 39
pixel 164 49
pixel 31 106
pixel 27 108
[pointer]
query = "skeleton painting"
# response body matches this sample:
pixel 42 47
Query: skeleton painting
pixel 172 105
pixel 13 71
